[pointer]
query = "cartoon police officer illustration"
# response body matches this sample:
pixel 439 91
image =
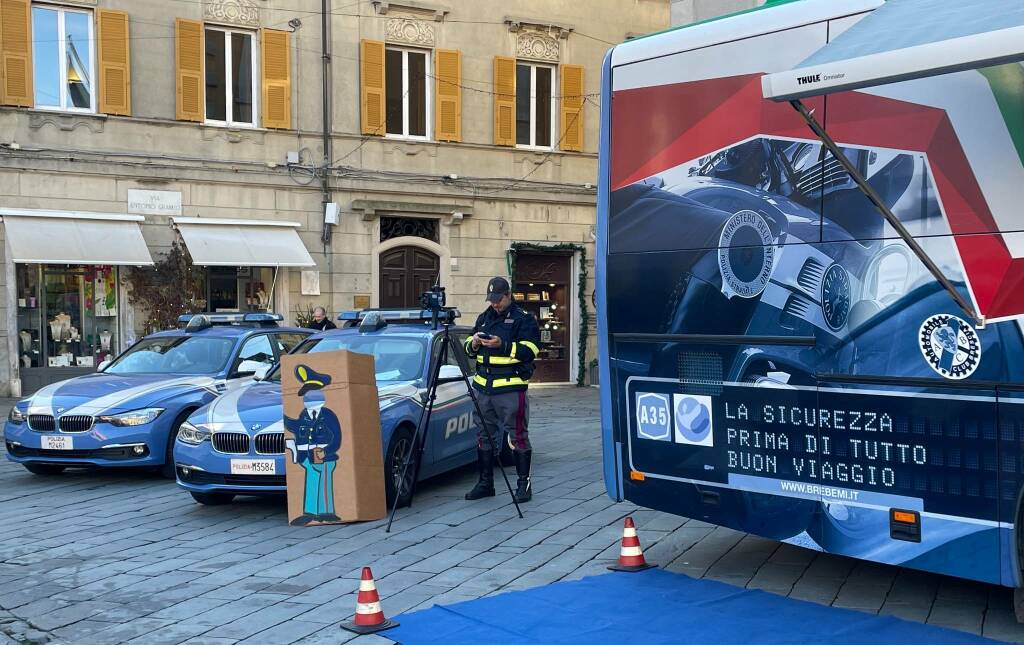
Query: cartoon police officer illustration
pixel 317 437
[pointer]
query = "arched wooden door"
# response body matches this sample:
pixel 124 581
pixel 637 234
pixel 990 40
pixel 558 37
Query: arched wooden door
pixel 405 273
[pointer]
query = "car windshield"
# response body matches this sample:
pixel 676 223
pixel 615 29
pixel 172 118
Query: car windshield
pixel 395 358
pixel 174 355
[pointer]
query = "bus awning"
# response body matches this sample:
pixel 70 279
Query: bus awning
pixel 904 40
pixel 234 242
pixel 69 237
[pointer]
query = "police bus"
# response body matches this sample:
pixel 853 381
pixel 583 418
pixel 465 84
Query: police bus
pixel 810 279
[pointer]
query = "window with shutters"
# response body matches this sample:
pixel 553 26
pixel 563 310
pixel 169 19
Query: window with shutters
pixel 231 77
pixel 535 105
pixel 64 70
pixel 407 76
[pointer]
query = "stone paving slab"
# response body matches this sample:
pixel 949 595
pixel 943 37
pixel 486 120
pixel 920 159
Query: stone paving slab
pixel 126 557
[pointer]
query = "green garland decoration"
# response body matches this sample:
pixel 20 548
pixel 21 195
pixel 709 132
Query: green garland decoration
pixel 581 290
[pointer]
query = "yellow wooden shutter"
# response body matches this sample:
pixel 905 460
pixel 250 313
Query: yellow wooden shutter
pixel 16 53
pixel 371 86
pixel 114 63
pixel 572 108
pixel 504 101
pixel 190 103
pixel 277 80
pixel 448 73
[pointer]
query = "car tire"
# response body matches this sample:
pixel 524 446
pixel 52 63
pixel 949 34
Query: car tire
pixel 44 469
pixel 212 499
pixel 401 439
pixel 167 470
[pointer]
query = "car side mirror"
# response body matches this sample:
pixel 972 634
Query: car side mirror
pixel 249 368
pixel 103 365
pixel 449 374
pixel 262 371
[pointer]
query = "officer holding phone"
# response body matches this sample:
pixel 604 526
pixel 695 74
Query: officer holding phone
pixel 505 342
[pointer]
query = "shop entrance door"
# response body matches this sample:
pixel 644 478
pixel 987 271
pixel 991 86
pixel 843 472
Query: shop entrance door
pixel 544 288
pixel 405 273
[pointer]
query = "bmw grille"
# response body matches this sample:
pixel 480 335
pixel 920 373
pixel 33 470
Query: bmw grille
pixel 235 443
pixel 270 443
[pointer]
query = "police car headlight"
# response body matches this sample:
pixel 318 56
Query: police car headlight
pixel 192 435
pixel 17 417
pixel 133 418
pixel 389 399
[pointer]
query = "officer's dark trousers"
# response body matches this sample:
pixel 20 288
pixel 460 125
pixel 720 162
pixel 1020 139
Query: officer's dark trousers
pixel 506 414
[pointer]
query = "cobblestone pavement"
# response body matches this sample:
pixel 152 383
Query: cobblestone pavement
pixel 127 557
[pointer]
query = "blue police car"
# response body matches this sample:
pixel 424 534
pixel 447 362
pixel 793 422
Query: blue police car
pixel 236 444
pixel 128 413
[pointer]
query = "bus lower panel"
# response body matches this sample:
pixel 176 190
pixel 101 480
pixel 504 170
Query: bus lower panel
pixel 952 546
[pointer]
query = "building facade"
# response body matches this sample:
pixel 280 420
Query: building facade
pixel 460 143
pixel 685 12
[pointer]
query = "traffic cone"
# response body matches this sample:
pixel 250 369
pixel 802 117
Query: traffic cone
pixel 631 558
pixel 369 616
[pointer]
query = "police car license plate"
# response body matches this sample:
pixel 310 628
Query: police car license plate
pixel 253 467
pixel 57 443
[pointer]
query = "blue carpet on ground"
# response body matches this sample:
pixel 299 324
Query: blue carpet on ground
pixel 657 607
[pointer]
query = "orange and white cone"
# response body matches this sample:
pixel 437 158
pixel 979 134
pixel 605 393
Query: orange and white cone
pixel 369 617
pixel 631 557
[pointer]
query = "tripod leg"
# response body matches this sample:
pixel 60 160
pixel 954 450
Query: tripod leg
pixel 418 440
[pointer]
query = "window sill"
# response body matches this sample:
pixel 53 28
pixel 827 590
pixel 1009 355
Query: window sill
pixel 522 146
pixel 408 138
pixel 61 112
pixel 231 126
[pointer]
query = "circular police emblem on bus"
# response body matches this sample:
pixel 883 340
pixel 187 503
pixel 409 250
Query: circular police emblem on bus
pixel 746 255
pixel 950 345
pixel 835 296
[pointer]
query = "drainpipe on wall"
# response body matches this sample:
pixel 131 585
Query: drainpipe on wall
pixel 325 172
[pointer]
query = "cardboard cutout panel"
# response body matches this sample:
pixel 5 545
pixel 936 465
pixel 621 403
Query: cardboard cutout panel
pixel 333 458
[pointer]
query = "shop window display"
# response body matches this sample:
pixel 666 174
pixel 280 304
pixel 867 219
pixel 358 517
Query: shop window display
pixel 542 288
pixel 67 315
pixel 240 288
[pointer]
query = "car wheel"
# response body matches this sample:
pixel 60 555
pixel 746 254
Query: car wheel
pixel 213 499
pixel 44 469
pixel 398 448
pixel 167 469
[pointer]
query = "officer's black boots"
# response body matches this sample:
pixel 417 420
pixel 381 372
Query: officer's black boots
pixel 485 485
pixel 524 488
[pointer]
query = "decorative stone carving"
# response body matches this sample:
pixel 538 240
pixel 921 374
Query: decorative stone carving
pixel 536 45
pixel 232 135
pixel 236 12
pixel 94 123
pixel 410 31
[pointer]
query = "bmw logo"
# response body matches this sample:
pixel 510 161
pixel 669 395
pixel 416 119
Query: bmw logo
pixel 835 296
pixel 256 427
pixel 950 346
pixel 61 410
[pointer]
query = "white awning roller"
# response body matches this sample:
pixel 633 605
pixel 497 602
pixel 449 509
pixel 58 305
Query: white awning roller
pixel 904 40
pixel 69 237
pixel 236 242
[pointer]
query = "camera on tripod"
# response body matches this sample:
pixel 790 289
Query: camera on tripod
pixel 433 300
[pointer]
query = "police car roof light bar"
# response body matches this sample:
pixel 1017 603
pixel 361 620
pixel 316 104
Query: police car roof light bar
pixel 889 216
pixel 210 319
pixel 414 315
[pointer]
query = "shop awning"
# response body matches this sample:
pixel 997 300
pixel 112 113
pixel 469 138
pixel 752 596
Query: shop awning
pixel 67 237
pixel 234 242
pixel 908 39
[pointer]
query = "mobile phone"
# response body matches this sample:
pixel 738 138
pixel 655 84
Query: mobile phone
pixel 483 336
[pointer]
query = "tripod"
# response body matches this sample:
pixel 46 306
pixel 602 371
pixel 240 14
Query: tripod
pixel 419 438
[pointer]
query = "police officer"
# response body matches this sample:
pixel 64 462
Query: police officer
pixel 504 343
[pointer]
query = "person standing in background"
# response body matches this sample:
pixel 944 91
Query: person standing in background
pixel 320 320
